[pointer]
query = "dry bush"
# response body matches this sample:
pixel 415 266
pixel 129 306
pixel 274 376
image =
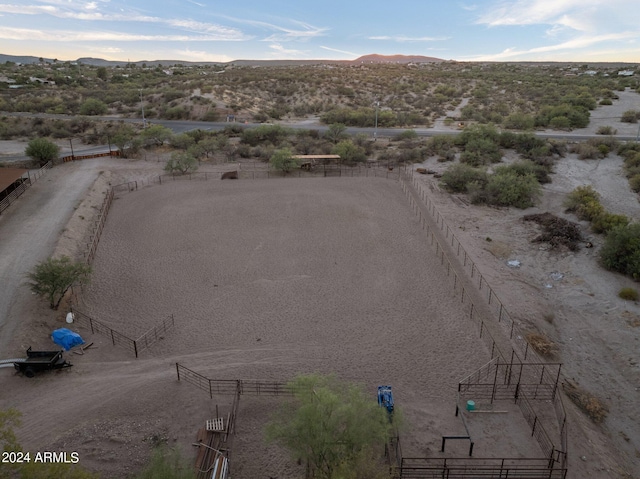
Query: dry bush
pixel 557 231
pixel 629 294
pixel 542 345
pixel 593 407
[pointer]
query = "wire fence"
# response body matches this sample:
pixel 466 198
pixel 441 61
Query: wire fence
pixel 32 177
pixel 517 350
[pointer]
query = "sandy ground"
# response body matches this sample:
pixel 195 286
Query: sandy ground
pixel 270 278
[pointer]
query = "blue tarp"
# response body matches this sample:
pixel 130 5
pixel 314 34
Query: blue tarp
pixel 66 338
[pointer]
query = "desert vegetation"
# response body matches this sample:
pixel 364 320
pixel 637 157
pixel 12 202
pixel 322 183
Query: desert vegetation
pixel 513 96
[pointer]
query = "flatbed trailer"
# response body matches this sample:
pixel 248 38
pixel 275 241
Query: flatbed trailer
pixel 37 361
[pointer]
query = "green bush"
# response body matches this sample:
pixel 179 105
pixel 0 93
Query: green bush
pixel 584 201
pixel 459 176
pixel 92 106
pixel 628 294
pixel 605 222
pixel 508 188
pixel 480 151
pixel 630 116
pixel 634 183
pixel 528 167
pixel 621 250
pixel 606 101
pixel 606 130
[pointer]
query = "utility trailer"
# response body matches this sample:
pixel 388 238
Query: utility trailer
pixel 37 361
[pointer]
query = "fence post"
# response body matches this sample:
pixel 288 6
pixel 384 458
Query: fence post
pixel 178 371
pixel 112 338
pixel 135 348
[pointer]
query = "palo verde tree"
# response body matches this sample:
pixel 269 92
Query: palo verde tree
pixel 42 150
pixel 53 277
pixel 283 160
pixel 334 427
pixel 181 162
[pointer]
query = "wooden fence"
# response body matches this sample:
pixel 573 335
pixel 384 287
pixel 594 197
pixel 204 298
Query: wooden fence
pixel 29 181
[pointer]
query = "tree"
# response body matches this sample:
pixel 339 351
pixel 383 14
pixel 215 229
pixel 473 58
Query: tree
pixel 336 132
pixel 331 425
pixel 126 141
pixel 349 152
pixel 156 135
pixel 42 150
pixel 283 160
pixel 101 73
pixel 53 277
pixel 93 106
pixel 181 162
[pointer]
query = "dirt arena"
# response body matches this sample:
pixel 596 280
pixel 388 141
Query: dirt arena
pixel 266 279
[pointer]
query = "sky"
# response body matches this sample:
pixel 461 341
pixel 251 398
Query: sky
pixel 222 31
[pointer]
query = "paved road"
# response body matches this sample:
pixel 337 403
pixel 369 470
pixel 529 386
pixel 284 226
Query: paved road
pixel 29 231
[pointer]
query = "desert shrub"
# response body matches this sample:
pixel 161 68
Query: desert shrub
pixel 181 162
pixel 606 130
pixel 541 344
pixel 630 116
pixel 528 167
pixel 480 151
pixel 519 121
pixel 508 188
pixel 628 294
pixel 586 151
pixel 606 101
pixel 563 116
pixel 93 106
pixel 621 250
pixel 634 183
pixel 595 409
pixel 176 113
pixel 407 135
pixel 349 152
pixel 560 123
pixel 459 176
pixel 440 144
pixel 605 222
pixel 182 141
pixel 584 201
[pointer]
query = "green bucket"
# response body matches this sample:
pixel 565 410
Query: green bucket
pixel 471 406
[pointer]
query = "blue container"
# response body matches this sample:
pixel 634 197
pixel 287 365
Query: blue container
pixel 471 406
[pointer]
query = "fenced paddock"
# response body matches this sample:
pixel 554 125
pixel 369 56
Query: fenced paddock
pixel 32 177
pixel 458 289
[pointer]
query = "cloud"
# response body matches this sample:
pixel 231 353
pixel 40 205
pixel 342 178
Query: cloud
pixel 341 51
pixel 402 38
pixel 577 43
pixel 202 56
pixel 8 33
pixel 280 50
pixel 578 15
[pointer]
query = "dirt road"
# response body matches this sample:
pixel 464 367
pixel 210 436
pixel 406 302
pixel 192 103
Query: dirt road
pixel 29 231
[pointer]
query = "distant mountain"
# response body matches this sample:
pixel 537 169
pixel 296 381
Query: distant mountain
pixel 109 63
pixel 396 59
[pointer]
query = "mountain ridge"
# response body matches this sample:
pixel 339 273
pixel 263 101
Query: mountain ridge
pixel 372 58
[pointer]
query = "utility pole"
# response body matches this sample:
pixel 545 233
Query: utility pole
pixel 375 131
pixel 73 158
pixel 144 122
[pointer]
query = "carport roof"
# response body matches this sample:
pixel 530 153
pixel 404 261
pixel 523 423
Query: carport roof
pixel 9 175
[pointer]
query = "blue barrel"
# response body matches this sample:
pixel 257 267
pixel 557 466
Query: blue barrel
pixel 471 406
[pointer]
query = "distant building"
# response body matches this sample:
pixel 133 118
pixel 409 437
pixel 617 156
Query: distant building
pixel 626 73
